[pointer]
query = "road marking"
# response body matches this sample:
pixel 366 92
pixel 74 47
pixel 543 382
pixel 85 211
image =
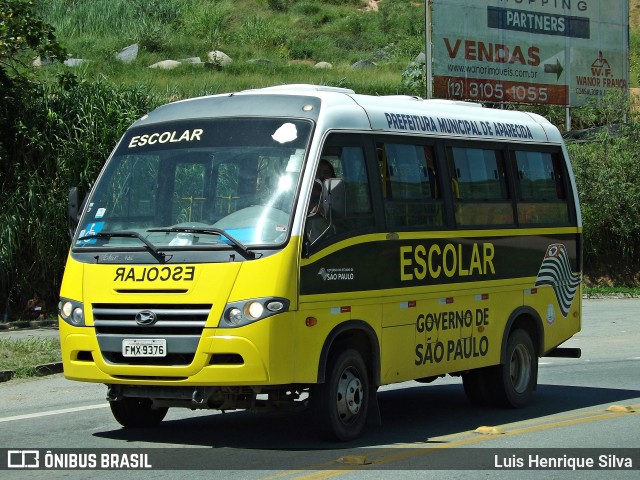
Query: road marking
pixel 330 469
pixel 52 412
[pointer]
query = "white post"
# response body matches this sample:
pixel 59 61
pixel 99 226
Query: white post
pixel 427 48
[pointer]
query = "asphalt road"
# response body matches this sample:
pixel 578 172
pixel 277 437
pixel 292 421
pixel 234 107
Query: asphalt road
pixel 591 403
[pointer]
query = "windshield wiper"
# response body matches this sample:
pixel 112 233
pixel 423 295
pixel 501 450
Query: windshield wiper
pixel 237 244
pixel 160 256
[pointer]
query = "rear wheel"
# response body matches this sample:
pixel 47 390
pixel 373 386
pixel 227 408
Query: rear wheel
pixel 341 403
pixel 518 375
pixel 131 412
pixel 510 384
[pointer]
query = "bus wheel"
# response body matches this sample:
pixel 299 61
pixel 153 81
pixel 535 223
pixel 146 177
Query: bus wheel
pixel 131 412
pixel 516 379
pixel 342 402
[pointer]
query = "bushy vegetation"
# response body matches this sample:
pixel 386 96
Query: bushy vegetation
pixel 608 178
pixel 58 126
pixel 61 140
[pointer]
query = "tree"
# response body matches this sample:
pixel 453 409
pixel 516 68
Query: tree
pixel 22 35
pixel 22 32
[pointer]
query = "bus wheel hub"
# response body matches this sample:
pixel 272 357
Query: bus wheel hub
pixel 350 395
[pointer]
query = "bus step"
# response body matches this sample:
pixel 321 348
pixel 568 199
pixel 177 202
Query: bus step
pixel 564 352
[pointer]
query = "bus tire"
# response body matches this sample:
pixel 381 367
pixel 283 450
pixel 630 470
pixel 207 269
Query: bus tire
pixel 342 402
pixel 515 380
pixel 131 412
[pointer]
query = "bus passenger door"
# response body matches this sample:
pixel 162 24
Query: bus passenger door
pixel 338 276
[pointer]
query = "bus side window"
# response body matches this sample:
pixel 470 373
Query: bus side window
pixel 318 224
pixel 356 180
pixel 349 164
pixel 542 197
pixel 479 187
pixel 410 185
pixel 351 167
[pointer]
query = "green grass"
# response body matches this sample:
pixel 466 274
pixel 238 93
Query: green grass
pixel 611 291
pixel 294 35
pixel 192 80
pixel 283 31
pixel 23 355
pixel 634 59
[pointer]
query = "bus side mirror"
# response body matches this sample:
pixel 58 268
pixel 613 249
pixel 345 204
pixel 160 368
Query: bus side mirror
pixel 333 197
pixel 73 210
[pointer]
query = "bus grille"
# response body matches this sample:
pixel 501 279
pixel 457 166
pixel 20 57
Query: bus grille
pixel 180 325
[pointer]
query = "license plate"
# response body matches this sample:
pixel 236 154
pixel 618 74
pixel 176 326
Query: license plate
pixel 147 347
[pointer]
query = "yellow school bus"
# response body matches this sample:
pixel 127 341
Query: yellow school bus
pixel 301 246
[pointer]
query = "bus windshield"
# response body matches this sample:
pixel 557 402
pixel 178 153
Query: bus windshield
pixel 225 182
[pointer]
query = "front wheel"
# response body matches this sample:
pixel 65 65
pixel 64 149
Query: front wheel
pixel 131 412
pixel 340 405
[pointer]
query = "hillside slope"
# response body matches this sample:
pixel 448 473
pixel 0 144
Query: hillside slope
pixel 330 30
pixel 281 37
pixel 270 41
pixel 634 15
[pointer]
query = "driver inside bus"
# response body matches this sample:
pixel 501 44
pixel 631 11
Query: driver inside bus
pixel 318 222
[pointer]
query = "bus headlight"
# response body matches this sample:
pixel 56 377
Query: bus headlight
pixel 71 312
pixel 253 310
pixel 238 314
pixel 235 316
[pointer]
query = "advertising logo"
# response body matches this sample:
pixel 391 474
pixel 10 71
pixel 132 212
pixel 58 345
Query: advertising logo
pixel 556 272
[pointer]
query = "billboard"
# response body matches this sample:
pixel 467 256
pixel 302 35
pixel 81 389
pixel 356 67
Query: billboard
pixel 552 52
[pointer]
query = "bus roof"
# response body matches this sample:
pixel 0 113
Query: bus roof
pixel 341 108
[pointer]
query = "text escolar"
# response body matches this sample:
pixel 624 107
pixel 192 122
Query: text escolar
pixel 421 261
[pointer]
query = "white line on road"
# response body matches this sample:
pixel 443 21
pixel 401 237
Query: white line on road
pixel 52 412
